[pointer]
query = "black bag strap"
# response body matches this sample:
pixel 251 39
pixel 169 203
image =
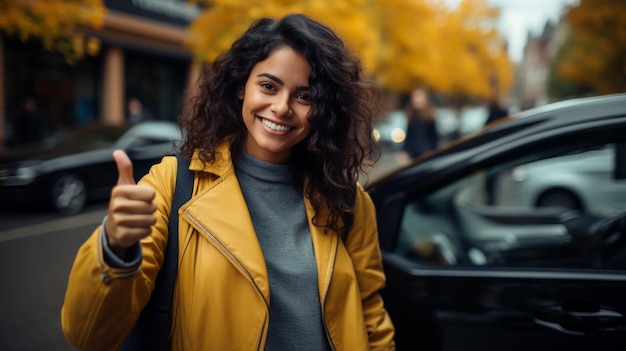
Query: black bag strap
pixel 152 328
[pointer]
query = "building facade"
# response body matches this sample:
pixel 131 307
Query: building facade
pixel 142 54
pixel 534 71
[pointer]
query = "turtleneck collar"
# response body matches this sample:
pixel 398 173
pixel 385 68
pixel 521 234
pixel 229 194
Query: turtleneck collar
pixel 261 170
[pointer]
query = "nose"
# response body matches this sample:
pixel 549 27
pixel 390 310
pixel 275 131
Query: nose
pixel 280 105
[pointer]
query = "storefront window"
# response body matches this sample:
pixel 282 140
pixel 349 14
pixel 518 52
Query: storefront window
pixel 158 82
pixel 66 94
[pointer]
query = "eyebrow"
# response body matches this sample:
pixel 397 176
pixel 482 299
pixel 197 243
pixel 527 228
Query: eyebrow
pixel 280 81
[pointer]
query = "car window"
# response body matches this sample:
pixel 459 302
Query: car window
pixel 98 135
pixel 546 209
pixel 148 141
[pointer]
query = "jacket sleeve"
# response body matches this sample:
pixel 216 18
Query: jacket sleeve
pixel 362 244
pixel 102 302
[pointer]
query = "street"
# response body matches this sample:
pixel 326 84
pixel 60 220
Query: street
pixel 37 250
pixel 36 253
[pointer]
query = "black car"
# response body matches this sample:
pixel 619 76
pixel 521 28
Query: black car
pixel 77 166
pixel 472 267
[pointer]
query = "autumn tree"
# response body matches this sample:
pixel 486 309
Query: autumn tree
pixel 593 58
pixel 215 29
pixel 54 22
pixel 457 52
pixel 403 43
pixel 472 55
pixel 560 87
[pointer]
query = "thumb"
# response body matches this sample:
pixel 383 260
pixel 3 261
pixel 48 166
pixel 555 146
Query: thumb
pixel 124 168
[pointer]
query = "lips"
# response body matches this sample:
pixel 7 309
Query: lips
pixel 275 127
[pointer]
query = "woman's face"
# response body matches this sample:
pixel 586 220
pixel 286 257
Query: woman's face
pixel 419 98
pixel 276 105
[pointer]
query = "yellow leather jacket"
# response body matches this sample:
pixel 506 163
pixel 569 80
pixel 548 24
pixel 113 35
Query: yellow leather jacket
pixel 221 296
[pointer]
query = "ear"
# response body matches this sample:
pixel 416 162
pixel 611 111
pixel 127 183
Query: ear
pixel 240 94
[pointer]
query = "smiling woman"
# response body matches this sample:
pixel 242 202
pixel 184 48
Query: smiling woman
pixel 278 243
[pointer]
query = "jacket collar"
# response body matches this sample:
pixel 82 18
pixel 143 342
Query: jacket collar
pixel 215 208
pixel 223 160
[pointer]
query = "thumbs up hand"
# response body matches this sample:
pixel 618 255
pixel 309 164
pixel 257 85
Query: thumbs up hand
pixel 131 208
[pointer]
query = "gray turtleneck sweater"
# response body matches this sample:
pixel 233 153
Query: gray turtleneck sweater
pixel 277 210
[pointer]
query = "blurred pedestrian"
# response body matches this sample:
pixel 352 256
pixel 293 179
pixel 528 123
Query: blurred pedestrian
pixel 137 112
pixel 278 244
pixel 421 133
pixel 496 111
pixel 30 123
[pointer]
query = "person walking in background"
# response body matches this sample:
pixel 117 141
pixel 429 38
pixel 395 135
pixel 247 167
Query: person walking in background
pixel 421 133
pixel 137 112
pixel 29 126
pixel 278 245
pixel 496 111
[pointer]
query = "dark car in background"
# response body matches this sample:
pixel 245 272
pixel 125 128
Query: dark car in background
pixel 473 265
pixel 77 166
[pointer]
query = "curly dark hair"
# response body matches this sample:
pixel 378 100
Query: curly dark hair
pixel 328 161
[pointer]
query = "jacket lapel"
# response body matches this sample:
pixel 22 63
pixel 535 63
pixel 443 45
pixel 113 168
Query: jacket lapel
pixel 220 214
pixel 325 247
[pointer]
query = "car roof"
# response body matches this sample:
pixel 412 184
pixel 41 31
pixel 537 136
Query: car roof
pixel 559 114
pixel 535 124
pixel 581 108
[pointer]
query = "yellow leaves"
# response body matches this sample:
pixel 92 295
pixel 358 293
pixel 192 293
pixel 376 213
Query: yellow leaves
pixel 405 30
pixel 473 49
pixel 403 43
pixel 214 30
pixel 595 56
pixel 593 18
pixel 55 22
pixel 454 52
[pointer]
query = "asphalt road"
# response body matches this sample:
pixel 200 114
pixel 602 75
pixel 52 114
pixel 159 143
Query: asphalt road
pixel 36 253
pixel 37 249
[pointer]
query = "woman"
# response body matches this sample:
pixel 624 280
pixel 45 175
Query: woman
pixel 421 133
pixel 278 246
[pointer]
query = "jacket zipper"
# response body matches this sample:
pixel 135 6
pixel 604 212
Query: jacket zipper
pixel 233 259
pixel 323 302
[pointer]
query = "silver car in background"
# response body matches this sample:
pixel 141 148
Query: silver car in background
pixel 582 180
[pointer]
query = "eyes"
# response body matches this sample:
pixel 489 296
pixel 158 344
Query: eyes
pixel 302 96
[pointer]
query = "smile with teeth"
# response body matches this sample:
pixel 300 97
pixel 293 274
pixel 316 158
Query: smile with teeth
pixel 273 126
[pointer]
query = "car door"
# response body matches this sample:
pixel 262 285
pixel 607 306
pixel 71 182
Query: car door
pixel 465 273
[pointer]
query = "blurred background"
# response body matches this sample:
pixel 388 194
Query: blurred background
pixel 84 61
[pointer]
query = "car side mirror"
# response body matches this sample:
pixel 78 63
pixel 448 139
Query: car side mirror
pixel 620 161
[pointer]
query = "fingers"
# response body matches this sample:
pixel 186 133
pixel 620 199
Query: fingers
pixel 140 193
pixel 131 207
pixel 129 228
pixel 124 168
pixel 131 214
